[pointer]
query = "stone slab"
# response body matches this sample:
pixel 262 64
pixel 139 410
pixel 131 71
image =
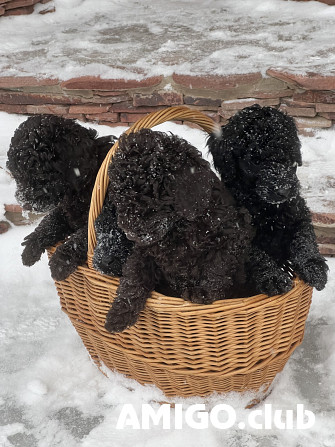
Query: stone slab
pixel 97 83
pixel 309 81
pixel 214 82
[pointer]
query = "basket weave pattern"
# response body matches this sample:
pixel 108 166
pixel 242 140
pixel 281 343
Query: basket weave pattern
pixel 185 349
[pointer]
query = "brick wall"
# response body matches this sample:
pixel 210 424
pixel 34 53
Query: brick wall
pixel 310 99
pixel 19 7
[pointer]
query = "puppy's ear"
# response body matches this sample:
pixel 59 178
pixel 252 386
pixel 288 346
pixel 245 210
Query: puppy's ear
pixel 224 157
pixel 192 189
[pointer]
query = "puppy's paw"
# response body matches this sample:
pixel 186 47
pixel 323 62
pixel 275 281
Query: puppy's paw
pixel 61 266
pixel 274 283
pixel 120 316
pixel 314 273
pixel 31 253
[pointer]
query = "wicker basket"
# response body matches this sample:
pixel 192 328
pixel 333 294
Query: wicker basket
pixel 185 349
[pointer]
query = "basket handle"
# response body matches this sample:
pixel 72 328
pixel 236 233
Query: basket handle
pixel 102 180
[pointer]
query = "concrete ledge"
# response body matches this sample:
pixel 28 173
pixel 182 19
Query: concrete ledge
pixel 310 98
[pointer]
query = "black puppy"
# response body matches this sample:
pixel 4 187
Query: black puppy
pixel 257 155
pixel 113 247
pixel 188 234
pixel 54 162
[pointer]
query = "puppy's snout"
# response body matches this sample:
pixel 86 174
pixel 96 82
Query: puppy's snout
pixel 284 192
pixel 27 207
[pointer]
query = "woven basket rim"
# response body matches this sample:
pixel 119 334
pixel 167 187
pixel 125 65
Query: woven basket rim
pixel 166 303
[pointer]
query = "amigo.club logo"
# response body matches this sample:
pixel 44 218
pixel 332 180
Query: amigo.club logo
pixel 221 416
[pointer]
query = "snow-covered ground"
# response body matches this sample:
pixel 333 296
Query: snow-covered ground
pixel 117 38
pixel 52 395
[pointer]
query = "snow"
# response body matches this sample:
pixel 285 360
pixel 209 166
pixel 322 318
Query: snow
pixel 51 394
pixel 317 173
pixel 133 39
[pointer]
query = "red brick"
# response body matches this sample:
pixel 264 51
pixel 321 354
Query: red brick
pixel 97 83
pixel 328 115
pixel 53 109
pixel 306 97
pixel 298 111
pixel 325 97
pixel 325 239
pixel 324 218
pixel 25 81
pixel 20 3
pixel 325 107
pixel 9 108
pixel 131 117
pixel 162 98
pixel 292 103
pixel 13 208
pixel 87 109
pixel 215 82
pixel 311 81
pixel 108 117
pixel 19 11
pixel 34 98
pixel 109 99
pixel 241 104
pixel 327 249
pixel 4 226
pixel 2 11
pixel 123 106
pixel 318 121
pixel 195 101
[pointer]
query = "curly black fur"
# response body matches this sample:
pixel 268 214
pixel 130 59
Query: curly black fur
pixel 54 162
pixel 187 232
pixel 257 155
pixel 113 247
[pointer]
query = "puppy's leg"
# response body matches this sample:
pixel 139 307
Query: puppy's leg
pixel 69 255
pixel 306 259
pixel 267 276
pixel 52 229
pixel 136 284
pixel 113 247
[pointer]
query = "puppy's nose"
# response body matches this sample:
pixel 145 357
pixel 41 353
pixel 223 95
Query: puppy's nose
pixel 27 207
pixel 284 192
